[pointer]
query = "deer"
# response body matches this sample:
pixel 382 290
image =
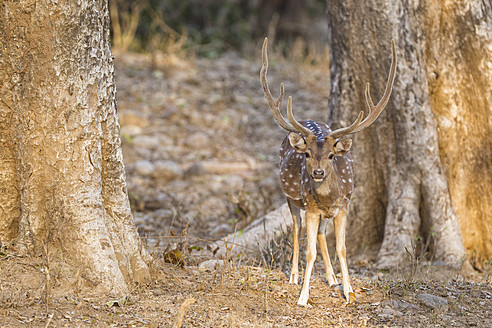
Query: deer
pixel 317 176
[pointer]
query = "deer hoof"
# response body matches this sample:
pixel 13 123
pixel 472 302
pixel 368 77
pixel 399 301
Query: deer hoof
pixel 303 300
pixel 332 280
pixel 306 305
pixel 294 278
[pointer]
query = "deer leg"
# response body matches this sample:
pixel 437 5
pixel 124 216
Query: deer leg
pixel 296 218
pixel 312 223
pixel 340 223
pixel 330 275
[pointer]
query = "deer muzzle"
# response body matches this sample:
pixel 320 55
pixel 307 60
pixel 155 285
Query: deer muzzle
pixel 318 175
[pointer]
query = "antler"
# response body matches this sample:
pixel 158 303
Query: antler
pixel 298 126
pixel 374 110
pixel 349 129
pixel 275 104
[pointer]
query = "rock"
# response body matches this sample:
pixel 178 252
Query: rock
pixel 167 171
pixel 220 230
pixel 401 305
pixel 144 168
pixel 166 140
pixel 234 183
pixel 216 184
pixel 130 130
pixel 388 314
pixel 229 183
pixel 132 118
pixel 215 167
pixel 139 219
pixel 163 214
pixel 198 140
pixel 140 152
pixel 432 301
pixel 143 141
pixel 213 206
pixel 210 265
pixel 195 169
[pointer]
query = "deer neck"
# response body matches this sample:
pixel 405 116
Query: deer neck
pixel 328 189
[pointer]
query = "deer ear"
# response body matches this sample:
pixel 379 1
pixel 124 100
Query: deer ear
pixel 342 147
pixel 297 142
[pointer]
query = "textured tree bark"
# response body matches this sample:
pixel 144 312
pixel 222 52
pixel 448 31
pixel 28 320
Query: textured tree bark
pixel 62 179
pixel 459 70
pixel 401 188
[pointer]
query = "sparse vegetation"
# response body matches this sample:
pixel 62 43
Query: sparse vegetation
pixel 172 216
pixel 209 118
pixel 238 294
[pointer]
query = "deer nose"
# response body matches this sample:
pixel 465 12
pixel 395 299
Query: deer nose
pixel 318 174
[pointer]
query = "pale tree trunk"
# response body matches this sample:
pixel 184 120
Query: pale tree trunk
pixel 402 190
pixel 62 179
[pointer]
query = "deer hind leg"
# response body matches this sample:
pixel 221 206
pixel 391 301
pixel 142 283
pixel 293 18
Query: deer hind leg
pixel 330 275
pixel 296 218
pixel 312 223
pixel 340 223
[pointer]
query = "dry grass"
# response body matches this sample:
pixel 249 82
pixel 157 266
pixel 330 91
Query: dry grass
pixel 236 295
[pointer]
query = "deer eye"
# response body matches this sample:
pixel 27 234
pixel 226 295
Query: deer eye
pixel 331 156
pixel 307 155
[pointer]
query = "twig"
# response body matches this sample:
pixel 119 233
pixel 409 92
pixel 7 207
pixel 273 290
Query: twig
pixel 49 319
pixel 181 312
pixel 229 249
pixel 76 282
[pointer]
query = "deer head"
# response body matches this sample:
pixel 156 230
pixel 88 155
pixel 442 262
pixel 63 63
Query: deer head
pixel 320 153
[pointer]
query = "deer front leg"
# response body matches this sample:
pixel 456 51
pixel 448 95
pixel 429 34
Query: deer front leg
pixel 295 212
pixel 312 223
pixel 330 275
pixel 340 223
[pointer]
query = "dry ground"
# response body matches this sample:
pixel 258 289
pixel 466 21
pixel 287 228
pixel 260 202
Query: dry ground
pixel 209 120
pixel 240 295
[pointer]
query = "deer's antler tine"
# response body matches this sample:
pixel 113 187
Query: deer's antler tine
pixel 369 101
pixel 349 129
pixel 281 96
pixel 374 110
pixel 298 126
pixel 272 104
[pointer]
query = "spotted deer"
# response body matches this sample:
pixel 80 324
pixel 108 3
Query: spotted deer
pixel 317 175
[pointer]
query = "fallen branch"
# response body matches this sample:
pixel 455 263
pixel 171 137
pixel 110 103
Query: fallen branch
pixel 261 231
pixel 181 312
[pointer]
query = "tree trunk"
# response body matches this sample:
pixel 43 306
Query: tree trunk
pixel 402 193
pixel 459 70
pixel 61 170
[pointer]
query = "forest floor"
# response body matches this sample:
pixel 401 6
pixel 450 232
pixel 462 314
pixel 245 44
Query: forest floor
pixel 201 151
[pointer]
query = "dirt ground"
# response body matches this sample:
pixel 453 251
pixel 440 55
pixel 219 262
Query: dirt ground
pixel 201 153
pixel 240 294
